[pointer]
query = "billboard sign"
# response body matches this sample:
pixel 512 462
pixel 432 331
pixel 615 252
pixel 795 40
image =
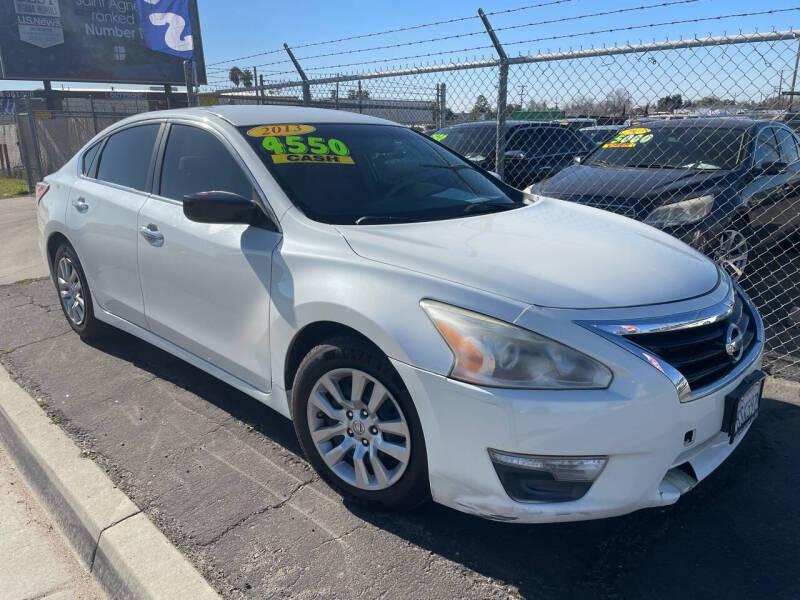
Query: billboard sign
pixel 115 41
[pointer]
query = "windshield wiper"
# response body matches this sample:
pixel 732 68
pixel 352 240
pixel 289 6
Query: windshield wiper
pixel 488 207
pixel 650 166
pixel 378 219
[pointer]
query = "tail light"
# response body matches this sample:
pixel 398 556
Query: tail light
pixel 41 190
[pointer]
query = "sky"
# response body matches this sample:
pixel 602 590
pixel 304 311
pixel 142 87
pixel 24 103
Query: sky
pixel 237 28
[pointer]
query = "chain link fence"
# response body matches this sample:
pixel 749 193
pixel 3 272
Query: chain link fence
pixel 694 136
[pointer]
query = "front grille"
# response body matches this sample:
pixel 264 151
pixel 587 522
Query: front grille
pixel 699 352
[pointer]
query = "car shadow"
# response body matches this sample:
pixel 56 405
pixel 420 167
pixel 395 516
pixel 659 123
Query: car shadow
pixel 736 535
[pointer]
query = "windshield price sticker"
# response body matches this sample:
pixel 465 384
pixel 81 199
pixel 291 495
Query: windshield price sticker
pixel 439 136
pixel 628 138
pixel 311 149
pixel 280 130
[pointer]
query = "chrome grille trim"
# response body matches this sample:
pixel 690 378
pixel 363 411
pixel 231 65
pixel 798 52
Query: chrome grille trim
pixel 623 334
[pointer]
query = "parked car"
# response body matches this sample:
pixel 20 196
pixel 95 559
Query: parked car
pixel 534 150
pixel 601 134
pixel 430 330
pixel 725 185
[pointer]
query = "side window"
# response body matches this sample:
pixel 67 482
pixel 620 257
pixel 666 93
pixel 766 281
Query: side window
pixel 126 156
pixel 787 146
pixel 766 150
pixel 88 158
pixel 196 161
pixel 529 141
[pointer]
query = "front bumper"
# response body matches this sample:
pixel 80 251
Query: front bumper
pixel 638 422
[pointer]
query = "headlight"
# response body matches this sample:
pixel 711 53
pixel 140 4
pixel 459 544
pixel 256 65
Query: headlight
pixel 494 353
pixel 681 213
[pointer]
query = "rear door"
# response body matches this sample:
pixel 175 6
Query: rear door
pixel 206 286
pixel 102 217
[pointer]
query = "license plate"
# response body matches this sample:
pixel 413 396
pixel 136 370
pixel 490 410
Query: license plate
pixel 741 405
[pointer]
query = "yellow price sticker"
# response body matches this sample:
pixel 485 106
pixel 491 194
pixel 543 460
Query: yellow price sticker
pixel 280 130
pixel 324 159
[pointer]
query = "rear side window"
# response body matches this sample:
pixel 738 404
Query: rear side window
pixel 196 161
pixel 126 157
pixel 787 146
pixel 766 148
pixel 88 158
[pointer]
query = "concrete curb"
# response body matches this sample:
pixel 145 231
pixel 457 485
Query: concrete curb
pixel 113 538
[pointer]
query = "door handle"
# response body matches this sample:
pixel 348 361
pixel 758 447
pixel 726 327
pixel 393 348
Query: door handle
pixel 80 205
pixel 152 234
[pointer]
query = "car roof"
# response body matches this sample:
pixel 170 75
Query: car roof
pixel 510 124
pixel 601 128
pixel 715 122
pixel 249 114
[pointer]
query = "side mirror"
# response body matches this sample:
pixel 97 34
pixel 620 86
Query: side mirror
pixel 770 168
pixel 577 160
pixel 222 207
pixel 514 155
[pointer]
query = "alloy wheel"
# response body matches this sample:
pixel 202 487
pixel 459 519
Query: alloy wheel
pixel 70 291
pixel 359 429
pixel 732 252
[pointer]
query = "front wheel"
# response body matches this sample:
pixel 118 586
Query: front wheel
pixel 733 250
pixel 358 426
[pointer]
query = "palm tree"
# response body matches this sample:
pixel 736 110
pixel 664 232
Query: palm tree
pixel 247 78
pixel 235 75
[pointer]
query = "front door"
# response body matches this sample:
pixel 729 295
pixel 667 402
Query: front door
pixel 206 286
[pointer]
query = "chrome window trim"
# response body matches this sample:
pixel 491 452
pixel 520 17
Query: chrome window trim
pixel 616 332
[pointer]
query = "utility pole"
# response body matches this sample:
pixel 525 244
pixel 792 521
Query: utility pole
pixel 794 78
pixel 521 94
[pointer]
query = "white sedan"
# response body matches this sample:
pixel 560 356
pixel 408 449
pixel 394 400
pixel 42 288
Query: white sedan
pixel 431 331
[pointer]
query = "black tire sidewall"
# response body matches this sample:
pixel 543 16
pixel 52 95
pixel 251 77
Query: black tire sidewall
pixel 89 326
pixel 412 488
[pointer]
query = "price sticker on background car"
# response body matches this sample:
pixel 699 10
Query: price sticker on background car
pixel 628 138
pixel 292 144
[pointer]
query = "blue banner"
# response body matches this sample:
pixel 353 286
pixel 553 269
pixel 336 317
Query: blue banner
pixel 166 26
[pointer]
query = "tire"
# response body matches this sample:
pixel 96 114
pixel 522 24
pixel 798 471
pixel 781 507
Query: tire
pixel 74 295
pixel 733 249
pixel 384 482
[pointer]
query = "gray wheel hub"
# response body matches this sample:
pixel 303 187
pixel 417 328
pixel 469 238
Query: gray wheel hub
pixel 70 291
pixel 359 429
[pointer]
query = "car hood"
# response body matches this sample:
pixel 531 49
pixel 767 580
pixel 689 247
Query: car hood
pixel 551 253
pixel 633 192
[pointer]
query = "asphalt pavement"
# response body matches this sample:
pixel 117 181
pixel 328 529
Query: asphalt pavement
pixel 223 477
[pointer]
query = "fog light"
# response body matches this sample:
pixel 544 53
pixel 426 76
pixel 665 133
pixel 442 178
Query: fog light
pixel 528 478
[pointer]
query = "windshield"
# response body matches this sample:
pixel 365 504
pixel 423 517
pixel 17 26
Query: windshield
pixel 371 174
pixel 672 148
pixel 598 135
pixel 474 142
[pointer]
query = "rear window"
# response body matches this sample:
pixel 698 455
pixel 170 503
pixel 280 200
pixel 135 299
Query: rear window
pixel 367 174
pixel 474 142
pixel 126 156
pixel 88 158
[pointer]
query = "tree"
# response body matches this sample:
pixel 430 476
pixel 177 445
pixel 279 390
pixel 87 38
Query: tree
pixel 481 110
pixel 618 102
pixel 669 103
pixel 235 75
pixel 355 94
pixel 247 78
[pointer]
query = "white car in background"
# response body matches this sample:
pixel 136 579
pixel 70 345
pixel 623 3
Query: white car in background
pixel 431 331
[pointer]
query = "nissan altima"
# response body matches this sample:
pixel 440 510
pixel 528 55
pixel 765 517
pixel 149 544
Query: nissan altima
pixel 430 331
